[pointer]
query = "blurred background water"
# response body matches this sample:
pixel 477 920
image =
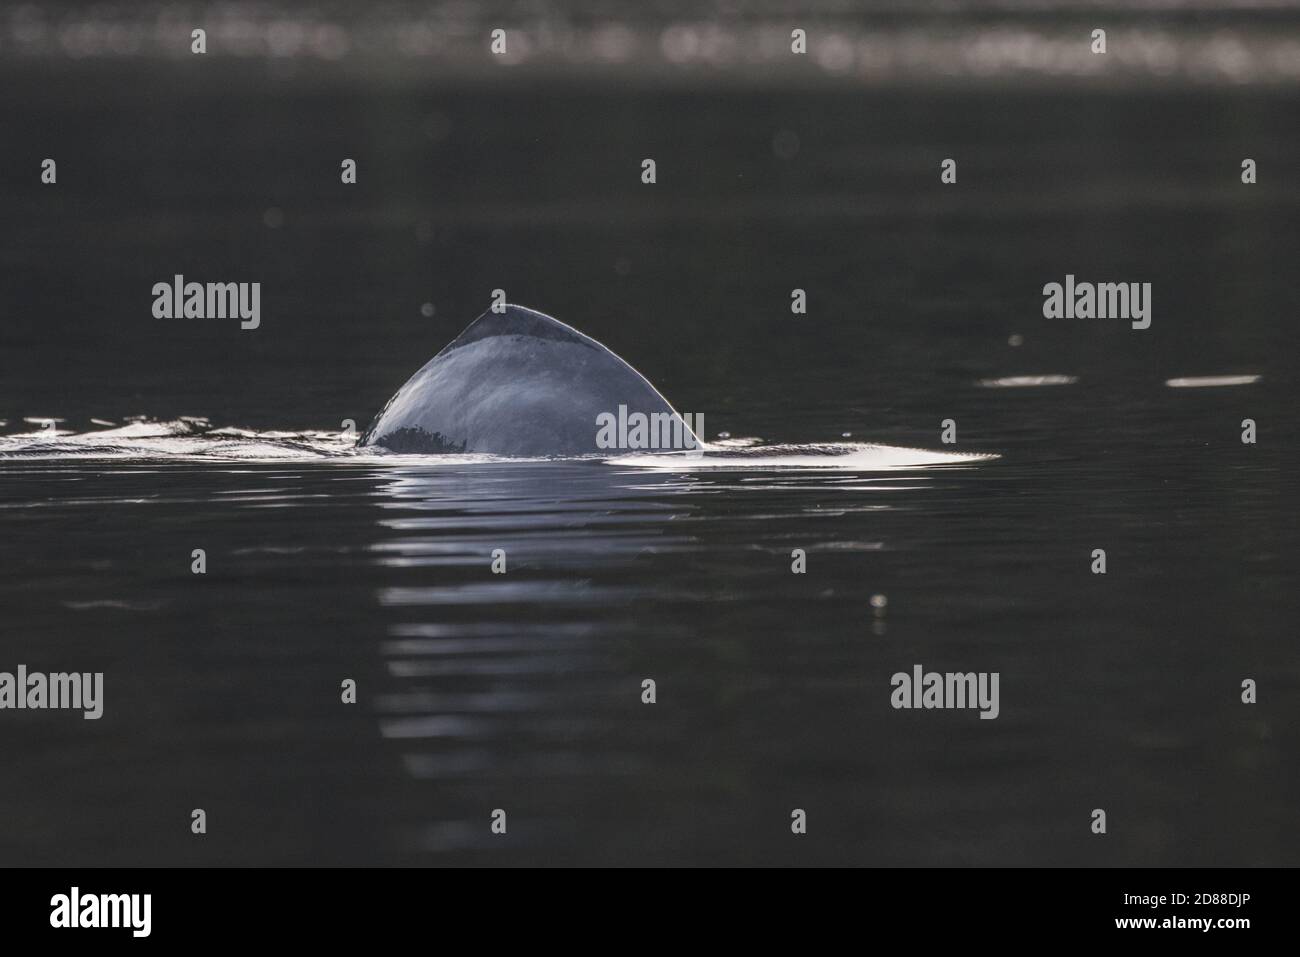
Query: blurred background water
pixel 522 691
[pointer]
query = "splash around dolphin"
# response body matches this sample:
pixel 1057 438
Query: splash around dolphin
pixel 519 383
pixel 513 385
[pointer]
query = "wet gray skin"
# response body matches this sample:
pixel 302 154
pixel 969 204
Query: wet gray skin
pixel 516 383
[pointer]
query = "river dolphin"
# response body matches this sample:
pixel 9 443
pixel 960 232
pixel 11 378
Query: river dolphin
pixel 517 383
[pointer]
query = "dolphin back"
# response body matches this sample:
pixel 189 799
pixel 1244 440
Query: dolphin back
pixel 516 383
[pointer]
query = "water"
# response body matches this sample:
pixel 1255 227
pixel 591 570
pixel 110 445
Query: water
pixel 523 691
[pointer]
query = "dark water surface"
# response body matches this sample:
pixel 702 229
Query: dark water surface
pixel 523 691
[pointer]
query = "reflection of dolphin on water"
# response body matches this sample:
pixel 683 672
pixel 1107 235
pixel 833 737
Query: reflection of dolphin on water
pixel 518 383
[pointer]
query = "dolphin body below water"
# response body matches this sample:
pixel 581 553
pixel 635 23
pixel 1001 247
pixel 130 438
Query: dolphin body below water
pixel 517 383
